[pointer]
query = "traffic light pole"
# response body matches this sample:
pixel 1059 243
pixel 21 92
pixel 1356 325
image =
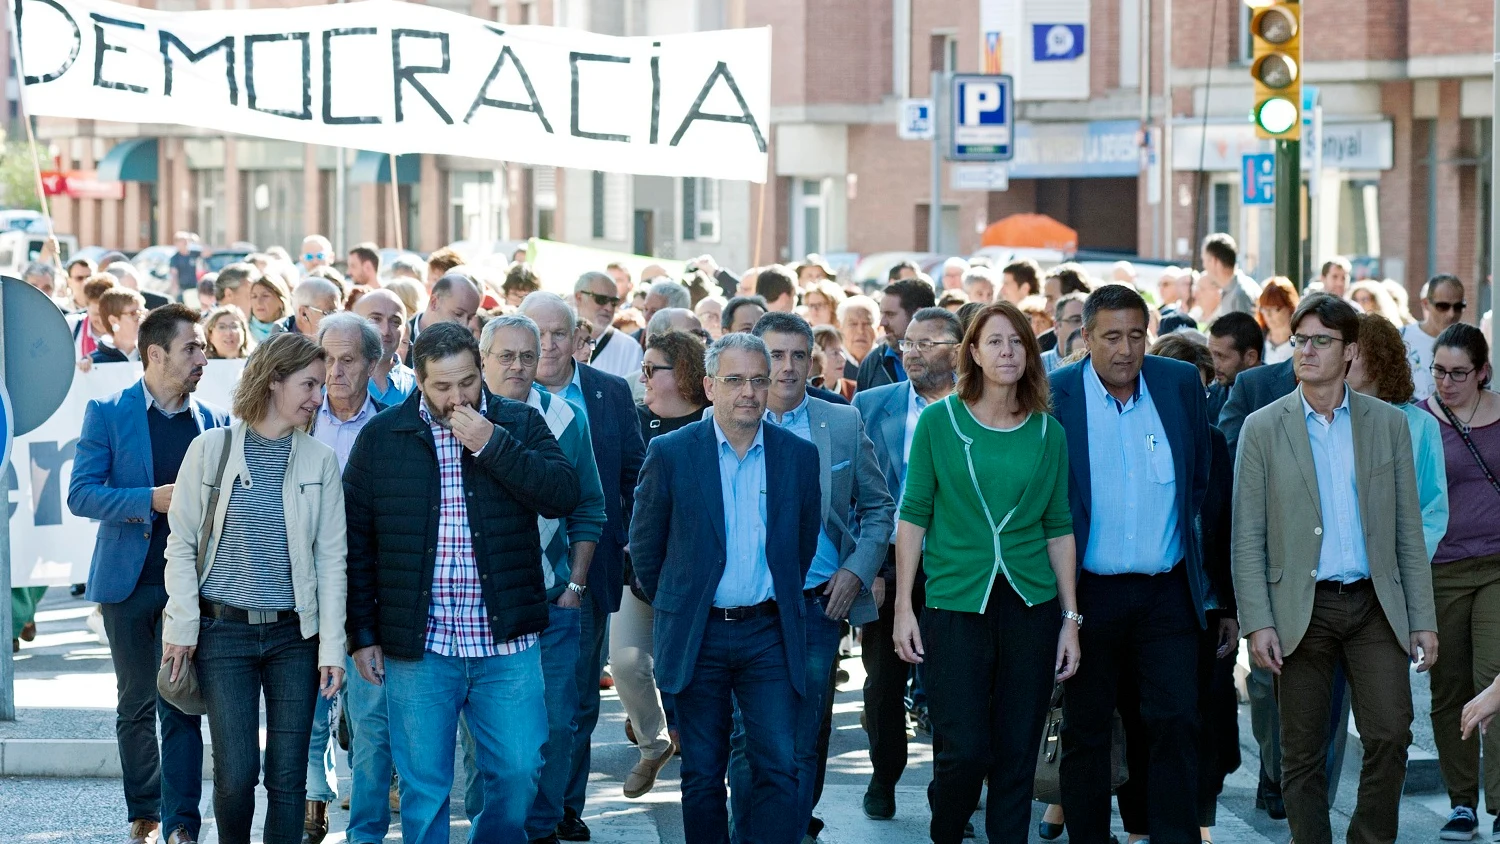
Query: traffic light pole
pixel 1289 211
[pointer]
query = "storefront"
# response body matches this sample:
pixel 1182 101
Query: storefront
pixel 1085 175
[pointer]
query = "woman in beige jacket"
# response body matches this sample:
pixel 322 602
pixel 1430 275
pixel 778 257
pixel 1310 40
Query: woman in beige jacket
pixel 264 614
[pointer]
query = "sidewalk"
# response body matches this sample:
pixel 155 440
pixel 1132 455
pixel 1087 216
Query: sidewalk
pixel 65 691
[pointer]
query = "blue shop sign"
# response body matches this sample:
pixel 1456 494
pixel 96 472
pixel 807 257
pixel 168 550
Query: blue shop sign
pixel 1097 149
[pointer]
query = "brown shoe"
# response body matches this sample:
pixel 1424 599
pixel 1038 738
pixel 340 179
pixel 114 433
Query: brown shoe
pixel 142 831
pixel 395 797
pixel 180 836
pixel 28 631
pixel 315 823
pixel 643 776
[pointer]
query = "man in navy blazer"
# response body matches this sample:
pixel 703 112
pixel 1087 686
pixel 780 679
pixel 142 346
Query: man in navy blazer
pixel 1252 390
pixel 614 427
pixel 725 528
pixel 1139 453
pixel 124 471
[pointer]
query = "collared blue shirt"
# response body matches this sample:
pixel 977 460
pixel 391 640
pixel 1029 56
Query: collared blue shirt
pixel 573 393
pixel 742 483
pixel 400 383
pixel 1133 525
pixel 895 355
pixel 826 560
pixel 1343 556
pixel 339 434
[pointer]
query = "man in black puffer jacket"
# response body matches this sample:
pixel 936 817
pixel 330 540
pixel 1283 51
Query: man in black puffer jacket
pixel 445 578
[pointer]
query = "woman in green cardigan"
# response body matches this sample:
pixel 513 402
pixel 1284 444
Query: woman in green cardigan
pixel 987 492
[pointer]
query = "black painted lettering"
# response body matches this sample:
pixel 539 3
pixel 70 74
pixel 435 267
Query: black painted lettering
pixel 655 91
pixel 72 54
pixel 697 112
pixel 226 44
pixel 269 38
pixel 328 36
pixel 101 47
pixel 573 59
pixel 408 74
pixel 483 98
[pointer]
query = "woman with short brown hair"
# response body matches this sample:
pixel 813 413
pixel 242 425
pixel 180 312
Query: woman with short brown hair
pixel 987 492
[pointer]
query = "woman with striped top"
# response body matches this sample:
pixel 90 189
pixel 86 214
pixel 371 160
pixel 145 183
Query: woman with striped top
pixel 262 614
pixel 987 492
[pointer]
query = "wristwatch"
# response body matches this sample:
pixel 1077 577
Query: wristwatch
pixel 1077 618
pixel 577 589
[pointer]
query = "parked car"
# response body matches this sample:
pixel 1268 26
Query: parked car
pixel 21 247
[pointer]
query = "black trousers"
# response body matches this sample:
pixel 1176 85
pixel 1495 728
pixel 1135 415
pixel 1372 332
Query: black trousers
pixel 1218 736
pixel 989 685
pixel 1144 626
pixel 885 687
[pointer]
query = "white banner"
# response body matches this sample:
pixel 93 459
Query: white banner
pixel 50 546
pixel 401 78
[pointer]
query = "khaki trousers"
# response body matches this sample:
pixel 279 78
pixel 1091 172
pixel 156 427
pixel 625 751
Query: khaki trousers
pixel 1467 595
pixel 632 666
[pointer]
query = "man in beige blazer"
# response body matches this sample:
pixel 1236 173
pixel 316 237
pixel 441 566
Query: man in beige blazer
pixel 1330 564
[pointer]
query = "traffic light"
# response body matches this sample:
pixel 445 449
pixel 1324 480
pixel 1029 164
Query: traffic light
pixel 1276 65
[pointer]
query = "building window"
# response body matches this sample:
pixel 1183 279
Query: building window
pixel 609 212
pixel 700 210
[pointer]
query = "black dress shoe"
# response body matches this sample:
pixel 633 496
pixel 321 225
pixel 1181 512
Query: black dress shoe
pixel 572 827
pixel 879 804
pixel 1268 798
pixel 1048 831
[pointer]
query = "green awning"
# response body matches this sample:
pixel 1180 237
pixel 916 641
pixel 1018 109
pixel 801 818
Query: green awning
pixel 375 168
pixel 132 160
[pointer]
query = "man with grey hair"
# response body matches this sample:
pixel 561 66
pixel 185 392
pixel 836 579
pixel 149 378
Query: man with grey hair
pixel 130 277
pixel 677 319
pixel 666 293
pixel 41 276
pixel 979 283
pixel 510 349
pixel 605 402
pixel 353 348
pixel 858 516
pixel 727 517
pixel 597 298
pixel 409 266
pixel 313 299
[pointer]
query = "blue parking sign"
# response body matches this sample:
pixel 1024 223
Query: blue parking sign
pixel 1258 179
pixel 982 118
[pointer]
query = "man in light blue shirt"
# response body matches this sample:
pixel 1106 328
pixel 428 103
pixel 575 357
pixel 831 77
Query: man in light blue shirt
pixel 1342 557
pixel 742 483
pixel 858 510
pixel 391 381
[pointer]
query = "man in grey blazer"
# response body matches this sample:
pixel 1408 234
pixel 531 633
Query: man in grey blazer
pixel 858 517
pixel 1330 567
pixel 890 415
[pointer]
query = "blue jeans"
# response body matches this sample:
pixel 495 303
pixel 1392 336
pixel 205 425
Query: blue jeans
pixel 744 662
pixel 369 759
pixel 559 670
pixel 237 663
pixel 593 632
pixel 322 776
pixel 501 699
pixel 823 635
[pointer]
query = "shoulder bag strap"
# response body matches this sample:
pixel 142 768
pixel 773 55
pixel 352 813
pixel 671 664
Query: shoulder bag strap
pixel 599 346
pixel 1463 434
pixel 206 533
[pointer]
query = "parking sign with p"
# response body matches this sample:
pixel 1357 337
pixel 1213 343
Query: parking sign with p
pixel 982 118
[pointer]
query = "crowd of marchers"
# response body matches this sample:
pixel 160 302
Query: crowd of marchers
pixel 447 507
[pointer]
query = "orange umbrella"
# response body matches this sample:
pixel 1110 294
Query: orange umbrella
pixel 1037 231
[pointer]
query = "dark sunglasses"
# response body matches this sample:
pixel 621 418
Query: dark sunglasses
pixel 602 300
pixel 651 369
pixel 1445 307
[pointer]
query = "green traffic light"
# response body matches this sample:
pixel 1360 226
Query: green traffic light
pixel 1277 115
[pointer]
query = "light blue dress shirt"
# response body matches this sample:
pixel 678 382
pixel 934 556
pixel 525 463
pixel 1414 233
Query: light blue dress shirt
pixel 1343 555
pixel 573 393
pixel 826 561
pixel 1133 524
pixel 338 434
pixel 742 483
pixel 401 381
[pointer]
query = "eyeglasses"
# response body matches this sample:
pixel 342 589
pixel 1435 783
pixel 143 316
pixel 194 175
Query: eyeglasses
pixel 509 358
pixel 1445 307
pixel 703 335
pixel 314 256
pixel 924 346
pixel 735 382
pixel 1076 319
pixel 603 300
pixel 650 369
pixel 1458 375
pixel 1319 341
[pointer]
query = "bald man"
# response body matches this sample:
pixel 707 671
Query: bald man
pixel 391 381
